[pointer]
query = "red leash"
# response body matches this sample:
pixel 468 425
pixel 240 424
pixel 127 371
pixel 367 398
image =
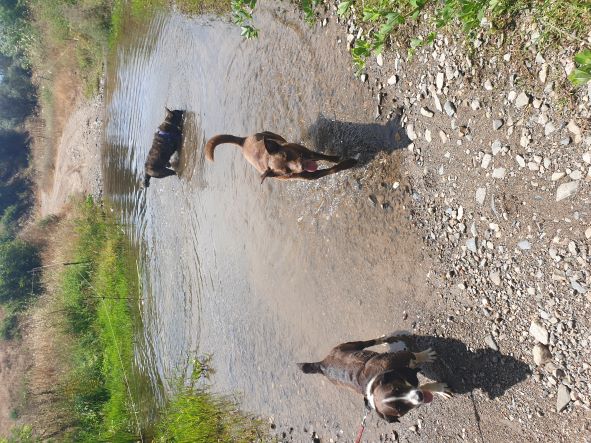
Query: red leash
pixel 362 428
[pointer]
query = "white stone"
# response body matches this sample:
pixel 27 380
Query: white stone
pixel 557 176
pixel 393 80
pixel 410 131
pixel 587 158
pixel 481 196
pixel 486 161
pixel 426 113
pixel 565 190
pixel 380 60
pixel 520 160
pixel 439 81
pixel 428 135
pixel 522 100
pixel 499 173
pixel 496 147
pixel 538 331
pixel 562 398
pixel 495 277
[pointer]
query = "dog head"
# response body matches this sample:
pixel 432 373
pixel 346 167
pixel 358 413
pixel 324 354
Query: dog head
pixel 174 117
pixel 285 161
pixel 394 393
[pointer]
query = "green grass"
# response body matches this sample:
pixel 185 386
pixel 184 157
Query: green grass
pixel 383 19
pixel 197 415
pixel 96 300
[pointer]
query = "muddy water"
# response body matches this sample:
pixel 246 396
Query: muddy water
pixel 260 276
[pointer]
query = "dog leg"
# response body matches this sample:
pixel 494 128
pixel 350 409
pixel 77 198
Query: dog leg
pixel 345 164
pixel 427 356
pixel 437 388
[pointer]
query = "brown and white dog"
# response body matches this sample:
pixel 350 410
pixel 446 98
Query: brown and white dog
pixel 388 381
pixel 273 156
pixel 167 140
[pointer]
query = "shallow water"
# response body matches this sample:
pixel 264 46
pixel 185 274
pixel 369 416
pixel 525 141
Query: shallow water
pixel 260 276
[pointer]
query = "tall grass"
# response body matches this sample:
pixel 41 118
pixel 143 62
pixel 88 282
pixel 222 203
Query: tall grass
pixel 196 415
pixel 96 297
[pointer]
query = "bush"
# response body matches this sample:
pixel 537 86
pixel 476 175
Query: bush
pixel 17 258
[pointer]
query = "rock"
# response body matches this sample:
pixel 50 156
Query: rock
pixel 541 354
pixel 495 277
pixel 565 190
pixel 439 81
pixel 443 137
pixel 475 104
pixel 410 131
pixel 363 78
pixel 496 147
pixel 486 161
pixel 428 135
pixel 471 245
pixel 522 100
pixel 497 124
pixel 575 130
pixel 520 161
pixel 543 74
pixel 562 398
pixel 488 85
pixel 499 173
pixel 393 80
pixel 557 176
pixel 549 128
pixel 576 175
pixel 491 343
pixel 524 245
pixel 481 196
pixel 380 60
pixel 538 331
pixel 588 232
pixel 426 112
pixel 512 96
pixel 450 108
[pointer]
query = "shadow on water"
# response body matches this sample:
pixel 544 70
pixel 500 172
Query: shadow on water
pixel 466 370
pixel 348 139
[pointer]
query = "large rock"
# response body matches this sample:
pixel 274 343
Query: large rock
pixel 565 190
pixel 538 331
pixel 541 354
pixel 562 398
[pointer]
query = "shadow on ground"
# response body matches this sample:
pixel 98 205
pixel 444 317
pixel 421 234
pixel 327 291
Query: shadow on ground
pixel 348 139
pixel 466 370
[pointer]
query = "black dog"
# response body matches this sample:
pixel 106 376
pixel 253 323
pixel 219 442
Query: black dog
pixel 166 142
pixel 388 381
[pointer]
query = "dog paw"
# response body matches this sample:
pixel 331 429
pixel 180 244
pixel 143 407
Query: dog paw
pixel 427 356
pixel 445 391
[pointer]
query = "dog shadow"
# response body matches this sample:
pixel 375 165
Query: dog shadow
pixel 348 139
pixel 465 370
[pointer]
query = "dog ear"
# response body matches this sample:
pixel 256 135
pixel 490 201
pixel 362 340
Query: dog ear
pixel 272 146
pixel 267 173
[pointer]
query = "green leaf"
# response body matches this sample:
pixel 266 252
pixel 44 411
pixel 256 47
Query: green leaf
pixel 580 77
pixel 344 7
pixel 583 57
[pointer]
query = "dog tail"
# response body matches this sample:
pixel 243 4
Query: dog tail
pixel 220 139
pixel 310 368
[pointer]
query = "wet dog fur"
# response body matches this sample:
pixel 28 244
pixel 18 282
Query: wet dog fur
pixel 273 156
pixel 167 140
pixel 388 381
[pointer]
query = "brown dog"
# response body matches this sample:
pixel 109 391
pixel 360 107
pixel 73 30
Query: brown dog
pixel 274 157
pixel 388 380
pixel 166 142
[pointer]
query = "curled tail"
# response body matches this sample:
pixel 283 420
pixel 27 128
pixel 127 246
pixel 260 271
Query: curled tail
pixel 220 139
pixel 310 368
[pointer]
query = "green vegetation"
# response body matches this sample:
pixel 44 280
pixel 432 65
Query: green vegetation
pixel 582 74
pixel 97 294
pixel 384 18
pixel 196 415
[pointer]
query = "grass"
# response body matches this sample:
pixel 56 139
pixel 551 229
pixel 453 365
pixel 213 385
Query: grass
pixel 197 415
pixel 385 19
pixel 96 302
